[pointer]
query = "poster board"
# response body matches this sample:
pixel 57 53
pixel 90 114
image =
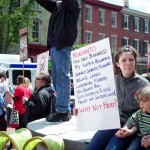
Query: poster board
pixel 23 44
pixel 42 62
pixel 94 87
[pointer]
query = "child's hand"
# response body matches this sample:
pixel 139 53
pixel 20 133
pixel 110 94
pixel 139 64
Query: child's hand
pixel 75 111
pixel 145 142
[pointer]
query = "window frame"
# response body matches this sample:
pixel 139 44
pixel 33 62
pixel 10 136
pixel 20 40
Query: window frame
pixel 88 15
pixel 114 18
pixel 90 37
pixel 102 11
pixel 36 31
pixel 136 24
pixel 126 20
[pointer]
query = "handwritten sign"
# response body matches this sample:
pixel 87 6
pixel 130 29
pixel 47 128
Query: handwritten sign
pixel 23 44
pixel 94 87
pixel 42 62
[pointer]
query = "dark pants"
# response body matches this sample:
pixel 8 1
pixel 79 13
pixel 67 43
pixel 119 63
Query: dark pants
pixel 3 122
pixel 136 145
pixel 106 140
pixel 21 123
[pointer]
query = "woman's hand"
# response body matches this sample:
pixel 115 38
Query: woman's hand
pixel 24 99
pixel 75 111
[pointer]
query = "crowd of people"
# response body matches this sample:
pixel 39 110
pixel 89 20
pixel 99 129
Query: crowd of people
pixel 31 104
pixel 133 90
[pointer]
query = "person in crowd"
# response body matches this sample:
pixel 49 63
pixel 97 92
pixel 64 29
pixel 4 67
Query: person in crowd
pixel 3 122
pixel 28 83
pixel 146 76
pixel 20 92
pixel 42 102
pixel 5 92
pixel 139 122
pixel 3 86
pixel 62 33
pixel 127 83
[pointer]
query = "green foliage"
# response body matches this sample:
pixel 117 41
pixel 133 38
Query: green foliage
pixel 77 46
pixel 13 17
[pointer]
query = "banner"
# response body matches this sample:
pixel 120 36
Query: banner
pixel 42 62
pixel 94 87
pixel 148 54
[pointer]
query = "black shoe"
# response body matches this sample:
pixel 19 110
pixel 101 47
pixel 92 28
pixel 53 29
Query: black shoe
pixel 56 117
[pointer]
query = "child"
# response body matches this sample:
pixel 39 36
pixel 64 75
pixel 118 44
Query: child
pixel 139 122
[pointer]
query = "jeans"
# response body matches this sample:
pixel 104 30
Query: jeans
pixel 60 73
pixel 136 145
pixel 106 140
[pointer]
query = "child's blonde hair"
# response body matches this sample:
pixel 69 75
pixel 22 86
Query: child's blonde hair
pixel 143 94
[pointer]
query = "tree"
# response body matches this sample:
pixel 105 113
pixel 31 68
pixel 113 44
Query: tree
pixel 12 18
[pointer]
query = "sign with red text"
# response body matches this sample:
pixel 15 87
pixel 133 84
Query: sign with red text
pixel 148 54
pixel 94 87
pixel 42 62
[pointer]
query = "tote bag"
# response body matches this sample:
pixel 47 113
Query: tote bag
pixel 14 119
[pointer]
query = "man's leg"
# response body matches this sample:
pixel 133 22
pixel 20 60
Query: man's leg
pixel 100 139
pixel 61 76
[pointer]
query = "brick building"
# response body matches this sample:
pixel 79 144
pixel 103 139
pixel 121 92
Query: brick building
pixel 123 26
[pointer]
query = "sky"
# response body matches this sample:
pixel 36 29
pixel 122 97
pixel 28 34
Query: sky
pixel 140 5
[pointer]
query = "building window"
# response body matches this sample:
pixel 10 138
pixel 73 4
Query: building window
pixel 113 43
pixel 114 19
pixel 136 44
pixel 146 26
pixel 88 37
pixel 145 46
pixel 35 5
pixel 102 16
pixel 126 21
pixel 136 24
pixel 88 13
pixel 102 36
pixel 35 31
pixel 125 41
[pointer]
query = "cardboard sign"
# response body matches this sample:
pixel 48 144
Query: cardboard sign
pixel 42 62
pixel 94 87
pixel 23 44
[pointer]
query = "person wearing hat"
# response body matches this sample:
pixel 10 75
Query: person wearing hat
pixel 42 102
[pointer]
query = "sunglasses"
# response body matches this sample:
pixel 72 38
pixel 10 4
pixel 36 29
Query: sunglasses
pixel 37 78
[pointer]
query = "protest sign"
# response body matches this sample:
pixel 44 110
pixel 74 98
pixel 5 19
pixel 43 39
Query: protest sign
pixel 42 62
pixel 148 54
pixel 94 87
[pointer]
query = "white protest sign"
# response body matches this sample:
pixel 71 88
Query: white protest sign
pixel 94 87
pixel 42 62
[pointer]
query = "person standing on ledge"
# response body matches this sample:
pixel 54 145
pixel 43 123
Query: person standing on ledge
pixel 62 33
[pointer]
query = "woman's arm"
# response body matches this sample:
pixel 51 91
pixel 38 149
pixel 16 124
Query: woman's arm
pixel 125 131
